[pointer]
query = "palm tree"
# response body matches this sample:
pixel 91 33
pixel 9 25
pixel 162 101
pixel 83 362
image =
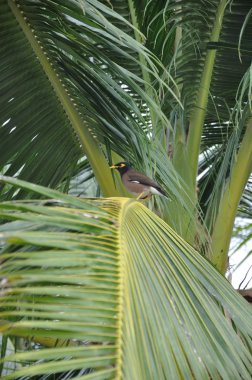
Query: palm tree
pixel 166 86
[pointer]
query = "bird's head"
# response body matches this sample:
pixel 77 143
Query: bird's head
pixel 122 167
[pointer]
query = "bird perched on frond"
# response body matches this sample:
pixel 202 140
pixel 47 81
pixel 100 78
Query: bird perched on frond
pixel 138 183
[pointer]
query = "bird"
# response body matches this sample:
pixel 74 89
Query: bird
pixel 138 183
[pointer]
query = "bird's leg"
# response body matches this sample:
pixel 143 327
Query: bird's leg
pixel 140 196
pixel 143 196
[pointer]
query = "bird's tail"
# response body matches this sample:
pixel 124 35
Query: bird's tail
pixel 164 193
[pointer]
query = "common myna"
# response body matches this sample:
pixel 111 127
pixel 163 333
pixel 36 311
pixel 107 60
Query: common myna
pixel 137 183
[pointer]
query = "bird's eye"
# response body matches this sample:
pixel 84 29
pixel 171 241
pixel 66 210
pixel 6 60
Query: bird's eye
pixel 122 165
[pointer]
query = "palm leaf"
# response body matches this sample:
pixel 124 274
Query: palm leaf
pixel 87 60
pixel 118 97
pixel 196 44
pixel 118 285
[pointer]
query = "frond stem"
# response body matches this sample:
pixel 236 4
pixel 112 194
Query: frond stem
pixel 90 146
pixel 223 227
pixel 198 115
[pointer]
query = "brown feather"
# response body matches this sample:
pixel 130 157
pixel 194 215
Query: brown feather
pixel 145 182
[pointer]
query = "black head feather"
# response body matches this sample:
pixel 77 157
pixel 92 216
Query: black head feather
pixel 122 167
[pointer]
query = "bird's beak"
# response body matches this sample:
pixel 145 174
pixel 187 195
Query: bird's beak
pixel 113 167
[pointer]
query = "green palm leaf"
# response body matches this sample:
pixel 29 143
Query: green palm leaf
pixel 87 61
pixel 84 82
pixel 117 285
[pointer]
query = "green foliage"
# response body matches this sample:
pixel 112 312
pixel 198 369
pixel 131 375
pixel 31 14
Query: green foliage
pixel 107 285
pixel 167 86
pixel 84 81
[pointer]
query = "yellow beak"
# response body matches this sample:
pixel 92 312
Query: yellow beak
pixel 113 167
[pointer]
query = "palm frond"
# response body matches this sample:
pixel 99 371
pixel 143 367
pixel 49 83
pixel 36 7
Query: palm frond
pixel 128 296
pixel 90 56
pixel 30 114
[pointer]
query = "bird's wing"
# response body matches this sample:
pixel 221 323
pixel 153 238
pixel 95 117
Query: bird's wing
pixel 145 181
pixel 142 179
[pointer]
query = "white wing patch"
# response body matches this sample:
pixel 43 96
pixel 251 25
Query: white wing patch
pixel 155 191
pixel 135 181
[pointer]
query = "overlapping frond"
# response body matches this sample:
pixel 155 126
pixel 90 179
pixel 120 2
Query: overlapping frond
pixel 36 141
pixel 182 34
pixel 89 54
pixel 117 88
pixel 179 32
pixel 110 288
pixel 102 93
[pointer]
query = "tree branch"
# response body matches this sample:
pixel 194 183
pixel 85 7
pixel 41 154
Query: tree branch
pixel 223 227
pixel 198 116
